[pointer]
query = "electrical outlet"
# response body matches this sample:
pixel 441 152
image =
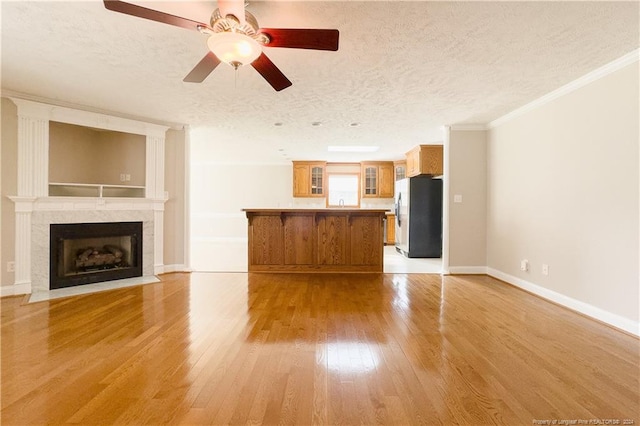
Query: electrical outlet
pixel 11 266
pixel 545 269
pixel 524 265
pixel 122 177
pixel 127 177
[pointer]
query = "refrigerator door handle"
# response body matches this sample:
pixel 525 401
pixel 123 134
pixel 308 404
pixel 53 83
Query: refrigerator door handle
pixel 398 206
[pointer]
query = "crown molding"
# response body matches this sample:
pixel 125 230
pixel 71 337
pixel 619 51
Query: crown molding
pixel 70 105
pixel 592 76
pixel 468 127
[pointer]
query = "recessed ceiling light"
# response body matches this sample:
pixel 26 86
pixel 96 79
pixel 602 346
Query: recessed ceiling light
pixel 354 124
pixel 316 123
pixel 352 148
pixel 278 124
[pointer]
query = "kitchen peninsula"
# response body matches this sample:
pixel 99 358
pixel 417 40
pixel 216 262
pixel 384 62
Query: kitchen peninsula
pixel 315 240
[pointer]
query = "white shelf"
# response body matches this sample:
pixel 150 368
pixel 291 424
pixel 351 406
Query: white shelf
pixel 68 189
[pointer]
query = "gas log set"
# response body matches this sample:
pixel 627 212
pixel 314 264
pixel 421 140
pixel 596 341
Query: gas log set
pixel 107 257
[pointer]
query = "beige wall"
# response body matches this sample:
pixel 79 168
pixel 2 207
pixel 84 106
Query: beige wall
pixel 80 154
pixel 9 183
pixel 468 219
pixel 123 153
pixel 563 191
pixel 175 207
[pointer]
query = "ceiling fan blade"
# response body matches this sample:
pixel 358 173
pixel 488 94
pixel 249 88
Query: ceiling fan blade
pixel 299 38
pixel 270 72
pixel 203 69
pixel 152 15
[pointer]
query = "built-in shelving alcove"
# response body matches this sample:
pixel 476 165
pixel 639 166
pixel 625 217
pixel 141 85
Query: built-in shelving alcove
pixel 91 162
pixel 69 171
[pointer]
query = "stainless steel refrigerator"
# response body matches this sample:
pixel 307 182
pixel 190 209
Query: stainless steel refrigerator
pixel 418 205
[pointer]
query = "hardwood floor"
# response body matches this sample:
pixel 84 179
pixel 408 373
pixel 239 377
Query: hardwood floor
pixel 312 349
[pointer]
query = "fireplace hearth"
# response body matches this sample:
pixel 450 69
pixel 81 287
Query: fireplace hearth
pixel 87 253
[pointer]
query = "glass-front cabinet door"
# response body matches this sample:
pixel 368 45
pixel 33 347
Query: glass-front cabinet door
pixel 309 178
pixel 370 180
pixel 400 171
pixel 317 182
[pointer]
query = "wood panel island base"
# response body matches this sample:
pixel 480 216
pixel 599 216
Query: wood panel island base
pixel 320 240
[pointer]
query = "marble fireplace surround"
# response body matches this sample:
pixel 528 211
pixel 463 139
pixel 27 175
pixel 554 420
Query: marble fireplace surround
pixel 35 210
pixel 40 233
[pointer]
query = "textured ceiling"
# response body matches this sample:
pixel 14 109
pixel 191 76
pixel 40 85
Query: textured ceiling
pixel 403 68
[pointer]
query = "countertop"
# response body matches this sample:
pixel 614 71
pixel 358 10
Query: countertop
pixel 319 210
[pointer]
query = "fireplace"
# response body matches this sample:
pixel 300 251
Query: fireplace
pixel 86 253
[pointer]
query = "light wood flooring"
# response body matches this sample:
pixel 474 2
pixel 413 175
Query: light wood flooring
pixel 312 349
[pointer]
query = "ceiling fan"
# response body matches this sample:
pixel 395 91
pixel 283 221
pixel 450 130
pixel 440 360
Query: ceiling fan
pixel 236 39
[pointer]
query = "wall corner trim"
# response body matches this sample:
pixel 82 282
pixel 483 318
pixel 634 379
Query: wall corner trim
pixel 594 75
pixel 599 314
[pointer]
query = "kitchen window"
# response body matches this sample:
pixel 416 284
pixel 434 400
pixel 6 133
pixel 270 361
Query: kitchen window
pixel 344 190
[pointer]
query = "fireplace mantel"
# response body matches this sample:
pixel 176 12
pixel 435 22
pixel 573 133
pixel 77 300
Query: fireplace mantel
pixel 31 204
pixel 35 209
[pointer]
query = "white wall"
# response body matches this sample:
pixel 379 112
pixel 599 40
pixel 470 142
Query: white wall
pixel 218 193
pixel 563 191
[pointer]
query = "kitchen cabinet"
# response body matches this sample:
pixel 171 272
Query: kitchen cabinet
pixel 425 160
pixel 332 240
pixel 400 169
pixel 315 240
pixel 390 229
pixel 309 178
pixel 377 179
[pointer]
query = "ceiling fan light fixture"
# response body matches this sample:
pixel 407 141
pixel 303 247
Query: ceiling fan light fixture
pixel 236 39
pixel 234 48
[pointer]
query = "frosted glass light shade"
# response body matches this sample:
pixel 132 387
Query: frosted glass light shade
pixel 234 48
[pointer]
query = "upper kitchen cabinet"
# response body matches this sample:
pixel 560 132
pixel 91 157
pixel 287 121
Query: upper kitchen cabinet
pixel 309 178
pixel 377 179
pixel 400 169
pixel 425 160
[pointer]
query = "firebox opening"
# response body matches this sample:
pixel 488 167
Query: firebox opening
pixel 86 253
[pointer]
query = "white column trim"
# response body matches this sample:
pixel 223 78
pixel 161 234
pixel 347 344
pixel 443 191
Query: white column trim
pixel 158 246
pixel 155 167
pixel 23 249
pixel 33 149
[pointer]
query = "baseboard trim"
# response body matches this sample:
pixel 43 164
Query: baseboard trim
pixel 167 269
pixel 15 290
pixel 467 270
pixel 599 314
